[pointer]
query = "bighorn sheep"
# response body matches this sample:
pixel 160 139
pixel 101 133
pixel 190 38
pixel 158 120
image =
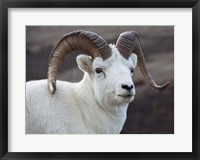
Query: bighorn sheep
pixel 98 103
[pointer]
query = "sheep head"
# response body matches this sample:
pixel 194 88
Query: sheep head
pixel 110 67
pixel 111 78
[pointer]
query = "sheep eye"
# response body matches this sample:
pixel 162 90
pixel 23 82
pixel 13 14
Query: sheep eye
pixel 98 70
pixel 132 70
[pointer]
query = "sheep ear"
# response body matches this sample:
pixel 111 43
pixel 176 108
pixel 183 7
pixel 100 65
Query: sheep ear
pixel 134 59
pixel 84 63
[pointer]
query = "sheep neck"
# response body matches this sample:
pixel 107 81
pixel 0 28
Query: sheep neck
pixel 103 119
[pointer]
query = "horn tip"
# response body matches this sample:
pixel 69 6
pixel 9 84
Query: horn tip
pixel 52 87
pixel 164 86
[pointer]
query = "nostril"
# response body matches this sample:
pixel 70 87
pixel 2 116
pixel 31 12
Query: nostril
pixel 125 86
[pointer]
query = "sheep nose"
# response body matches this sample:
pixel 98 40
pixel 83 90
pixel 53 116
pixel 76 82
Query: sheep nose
pixel 127 87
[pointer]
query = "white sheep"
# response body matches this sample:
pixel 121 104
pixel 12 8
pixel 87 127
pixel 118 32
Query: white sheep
pixel 98 103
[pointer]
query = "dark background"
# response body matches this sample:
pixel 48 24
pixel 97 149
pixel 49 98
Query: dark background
pixel 151 112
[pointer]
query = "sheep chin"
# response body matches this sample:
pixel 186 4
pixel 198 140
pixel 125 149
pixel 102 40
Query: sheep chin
pixel 126 98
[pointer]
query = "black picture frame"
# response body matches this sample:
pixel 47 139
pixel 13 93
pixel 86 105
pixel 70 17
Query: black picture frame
pixel 6 4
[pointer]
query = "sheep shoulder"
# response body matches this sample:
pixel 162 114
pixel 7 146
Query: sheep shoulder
pixel 56 112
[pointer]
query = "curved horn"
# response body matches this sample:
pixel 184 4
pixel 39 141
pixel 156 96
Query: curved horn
pixel 128 43
pixel 83 41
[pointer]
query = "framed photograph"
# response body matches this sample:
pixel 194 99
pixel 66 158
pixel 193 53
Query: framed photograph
pixel 100 80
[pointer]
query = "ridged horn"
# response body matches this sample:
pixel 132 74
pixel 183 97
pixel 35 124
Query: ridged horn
pixel 128 43
pixel 77 41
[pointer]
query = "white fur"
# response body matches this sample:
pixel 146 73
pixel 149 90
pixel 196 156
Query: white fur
pixel 92 105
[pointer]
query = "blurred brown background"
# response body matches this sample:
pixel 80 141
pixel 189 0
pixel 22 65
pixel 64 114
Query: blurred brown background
pixel 151 112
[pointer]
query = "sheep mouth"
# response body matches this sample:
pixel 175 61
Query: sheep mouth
pixel 126 96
